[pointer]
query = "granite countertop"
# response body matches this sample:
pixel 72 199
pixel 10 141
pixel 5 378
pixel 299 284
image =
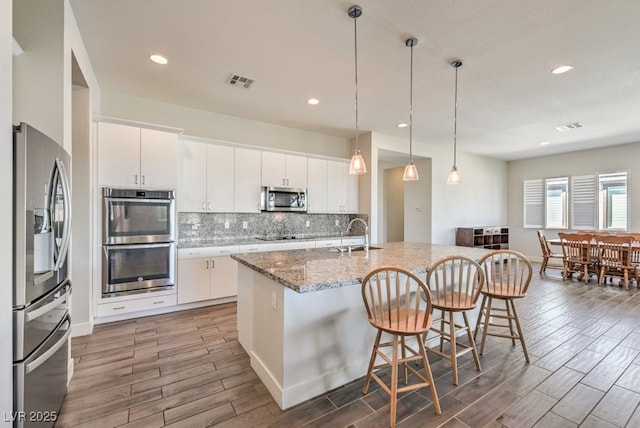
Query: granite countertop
pixel 319 269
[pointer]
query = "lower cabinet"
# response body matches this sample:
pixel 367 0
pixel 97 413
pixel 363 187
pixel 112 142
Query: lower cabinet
pixel 206 278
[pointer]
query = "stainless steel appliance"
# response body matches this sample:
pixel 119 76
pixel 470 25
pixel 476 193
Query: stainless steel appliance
pixel 41 321
pixel 283 199
pixel 139 252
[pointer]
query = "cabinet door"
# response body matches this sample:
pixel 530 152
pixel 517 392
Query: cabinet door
pixel 247 175
pixel 336 176
pixel 317 186
pixel 192 188
pixel 193 280
pixel 220 167
pixel 296 171
pixel 223 277
pixel 274 169
pixel 118 155
pixel 158 159
pixel 351 193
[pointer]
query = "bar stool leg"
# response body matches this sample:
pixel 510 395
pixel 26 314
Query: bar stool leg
pixel 517 319
pixel 452 348
pixel 394 381
pixel 475 332
pixel 485 328
pixel 429 376
pixel 474 351
pixel 376 344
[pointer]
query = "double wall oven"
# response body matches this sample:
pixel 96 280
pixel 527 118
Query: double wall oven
pixel 139 252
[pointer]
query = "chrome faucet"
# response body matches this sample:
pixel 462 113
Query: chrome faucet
pixel 366 231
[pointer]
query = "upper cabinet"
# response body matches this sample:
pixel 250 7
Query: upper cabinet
pixel 317 197
pixel 131 156
pixel 284 170
pixel 204 174
pixel 342 188
pixel 247 177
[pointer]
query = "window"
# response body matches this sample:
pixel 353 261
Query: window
pixel 612 201
pixel 556 191
pixel 598 202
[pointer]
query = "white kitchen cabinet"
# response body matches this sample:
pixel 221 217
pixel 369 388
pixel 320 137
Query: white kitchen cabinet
pixel 342 188
pixel 205 171
pixel 131 156
pixel 205 274
pixel 247 179
pixel 317 185
pixel 284 170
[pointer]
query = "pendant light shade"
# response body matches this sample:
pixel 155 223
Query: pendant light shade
pixel 357 165
pixel 454 174
pixel 410 171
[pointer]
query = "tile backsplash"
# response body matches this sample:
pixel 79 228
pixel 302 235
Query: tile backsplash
pixel 207 226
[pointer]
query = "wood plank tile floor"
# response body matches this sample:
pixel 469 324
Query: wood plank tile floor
pixel 187 369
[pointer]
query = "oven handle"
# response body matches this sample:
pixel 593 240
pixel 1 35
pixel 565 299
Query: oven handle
pixel 29 367
pixel 136 246
pixel 31 314
pixel 110 199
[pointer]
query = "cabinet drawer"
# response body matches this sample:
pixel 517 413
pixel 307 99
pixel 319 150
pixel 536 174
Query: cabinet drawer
pixel 127 306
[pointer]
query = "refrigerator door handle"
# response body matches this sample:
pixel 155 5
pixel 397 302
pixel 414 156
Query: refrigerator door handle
pixel 31 314
pixel 66 228
pixel 31 366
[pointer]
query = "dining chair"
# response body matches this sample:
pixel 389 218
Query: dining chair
pixel 615 258
pixel 398 304
pixel 455 283
pixel 547 253
pixel 579 254
pixel 507 276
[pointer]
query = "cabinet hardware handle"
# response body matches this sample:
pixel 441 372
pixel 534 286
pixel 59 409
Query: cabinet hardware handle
pixel 158 302
pixel 204 208
pixel 143 180
pixel 207 264
pixel 213 264
pixel 208 206
pixel 136 179
pixel 118 308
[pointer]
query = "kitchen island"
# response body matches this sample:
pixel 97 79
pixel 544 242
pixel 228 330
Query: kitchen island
pixel 301 317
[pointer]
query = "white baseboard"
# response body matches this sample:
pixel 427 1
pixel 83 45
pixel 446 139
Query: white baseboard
pixel 81 329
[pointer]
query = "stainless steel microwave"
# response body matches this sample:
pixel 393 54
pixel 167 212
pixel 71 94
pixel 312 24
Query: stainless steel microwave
pixel 283 199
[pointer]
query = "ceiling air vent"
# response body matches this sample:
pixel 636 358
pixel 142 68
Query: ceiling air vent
pixel 569 127
pixel 240 81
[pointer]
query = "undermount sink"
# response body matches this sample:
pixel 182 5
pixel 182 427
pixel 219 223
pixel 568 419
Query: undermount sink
pixel 353 248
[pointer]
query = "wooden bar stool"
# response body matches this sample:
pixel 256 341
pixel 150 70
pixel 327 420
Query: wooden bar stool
pixel 455 283
pixel 391 296
pixel 507 277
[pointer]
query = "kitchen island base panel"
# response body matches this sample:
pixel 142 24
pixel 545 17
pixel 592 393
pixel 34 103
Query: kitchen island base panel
pixel 302 344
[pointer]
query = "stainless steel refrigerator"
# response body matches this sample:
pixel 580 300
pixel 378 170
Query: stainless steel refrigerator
pixel 41 286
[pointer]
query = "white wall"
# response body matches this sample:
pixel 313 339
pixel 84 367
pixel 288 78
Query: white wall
pixel 199 123
pixel 393 208
pixel 480 200
pixel 418 203
pixel 6 217
pixel 611 159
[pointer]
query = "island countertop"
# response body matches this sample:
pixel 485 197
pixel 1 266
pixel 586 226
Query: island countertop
pixel 305 271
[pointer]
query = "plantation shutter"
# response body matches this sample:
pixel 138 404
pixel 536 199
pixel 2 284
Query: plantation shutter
pixel 583 202
pixel 533 203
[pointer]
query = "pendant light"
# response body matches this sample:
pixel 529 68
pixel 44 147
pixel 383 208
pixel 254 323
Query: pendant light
pixel 357 165
pixel 454 174
pixel 410 171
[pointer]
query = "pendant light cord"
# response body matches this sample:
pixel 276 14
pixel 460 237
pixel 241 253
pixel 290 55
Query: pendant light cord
pixel 411 106
pixel 355 44
pixel 455 113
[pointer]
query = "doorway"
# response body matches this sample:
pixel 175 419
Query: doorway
pixel 404 208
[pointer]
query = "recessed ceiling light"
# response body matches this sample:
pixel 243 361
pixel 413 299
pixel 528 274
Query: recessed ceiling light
pixel 158 59
pixel 402 125
pixel 313 101
pixel 544 143
pixel 562 69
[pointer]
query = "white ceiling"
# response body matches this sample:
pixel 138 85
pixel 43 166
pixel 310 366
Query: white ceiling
pixel 508 101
